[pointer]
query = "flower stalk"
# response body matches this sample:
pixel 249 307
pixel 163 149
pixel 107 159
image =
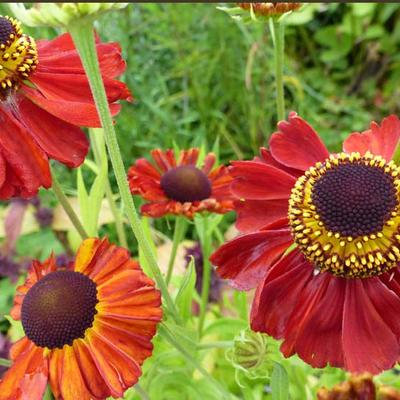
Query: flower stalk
pixel 67 207
pixel 4 362
pixel 278 37
pixel 83 36
pixel 179 233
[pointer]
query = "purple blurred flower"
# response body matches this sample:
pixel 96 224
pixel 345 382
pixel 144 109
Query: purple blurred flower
pixel 44 216
pixel 9 268
pixel 63 260
pixel 216 283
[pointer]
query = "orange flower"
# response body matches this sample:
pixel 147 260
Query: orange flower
pixel 88 327
pixel 179 187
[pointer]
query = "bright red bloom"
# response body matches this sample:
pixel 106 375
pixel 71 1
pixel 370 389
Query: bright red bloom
pixel 44 98
pixel 88 326
pixel 321 242
pixel 178 186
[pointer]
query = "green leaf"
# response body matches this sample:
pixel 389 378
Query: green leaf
pixel 184 297
pixel 279 383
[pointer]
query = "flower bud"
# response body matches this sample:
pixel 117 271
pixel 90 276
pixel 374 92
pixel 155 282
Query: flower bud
pixel 60 14
pixel 253 354
pixel 259 11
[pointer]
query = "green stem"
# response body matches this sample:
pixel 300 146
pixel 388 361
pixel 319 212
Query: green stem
pixel 143 395
pixel 119 225
pixel 278 36
pixel 67 207
pixel 206 279
pixel 4 362
pixel 83 36
pixel 215 345
pixel 179 233
pixel 168 336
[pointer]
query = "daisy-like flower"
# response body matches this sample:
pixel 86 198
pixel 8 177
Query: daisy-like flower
pixel 180 187
pixel 321 242
pixel 88 327
pixel 269 9
pixel 44 98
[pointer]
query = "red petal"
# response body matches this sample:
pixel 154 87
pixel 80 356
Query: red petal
pixel 60 140
pixel 28 162
pixel 369 342
pixel 379 140
pixel 297 145
pixel 75 87
pixel 255 214
pixel 266 157
pixel 73 112
pixel 257 181
pixel 246 259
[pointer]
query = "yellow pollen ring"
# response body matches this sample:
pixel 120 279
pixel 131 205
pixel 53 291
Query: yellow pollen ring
pixel 346 256
pixel 18 58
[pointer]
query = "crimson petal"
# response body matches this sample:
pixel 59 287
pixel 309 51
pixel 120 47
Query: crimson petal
pixel 297 145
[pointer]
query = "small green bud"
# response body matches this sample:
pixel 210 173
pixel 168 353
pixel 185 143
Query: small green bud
pixel 60 14
pixel 253 354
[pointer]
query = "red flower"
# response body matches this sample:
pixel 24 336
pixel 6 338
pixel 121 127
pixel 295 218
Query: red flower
pixel 321 241
pixel 45 97
pixel 179 187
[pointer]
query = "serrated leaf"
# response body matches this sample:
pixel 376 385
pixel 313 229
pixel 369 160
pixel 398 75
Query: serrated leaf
pixel 279 383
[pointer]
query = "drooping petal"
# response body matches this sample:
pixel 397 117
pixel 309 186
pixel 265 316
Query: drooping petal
pixel 255 214
pixel 379 140
pixel 73 112
pixel 303 309
pixel 296 144
pixel 266 156
pixel 369 342
pixel 60 140
pixel 23 155
pixel 27 377
pixel 257 181
pixel 246 259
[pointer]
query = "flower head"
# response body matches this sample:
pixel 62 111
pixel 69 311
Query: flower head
pixel 60 14
pixel 44 98
pixel 88 327
pixel 359 386
pixel 180 187
pixel 269 9
pixel 321 242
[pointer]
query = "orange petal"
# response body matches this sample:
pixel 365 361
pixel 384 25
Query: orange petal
pixel 90 374
pixel 85 255
pixel 55 371
pixel 123 284
pixel 72 385
pixel 117 368
pixel 134 342
pixel 27 378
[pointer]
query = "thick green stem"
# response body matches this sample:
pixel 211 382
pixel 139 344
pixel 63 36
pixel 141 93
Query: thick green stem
pixel 4 362
pixel 83 37
pixel 67 207
pixel 206 279
pixel 179 233
pixel 119 225
pixel 278 36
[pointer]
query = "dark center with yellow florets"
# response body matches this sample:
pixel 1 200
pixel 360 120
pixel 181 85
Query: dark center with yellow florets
pixel 354 199
pixel 18 56
pixel 59 308
pixel 185 184
pixel 344 215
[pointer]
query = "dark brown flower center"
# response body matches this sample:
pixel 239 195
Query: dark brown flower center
pixel 354 199
pixel 344 215
pixel 59 308
pixel 7 31
pixel 185 184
